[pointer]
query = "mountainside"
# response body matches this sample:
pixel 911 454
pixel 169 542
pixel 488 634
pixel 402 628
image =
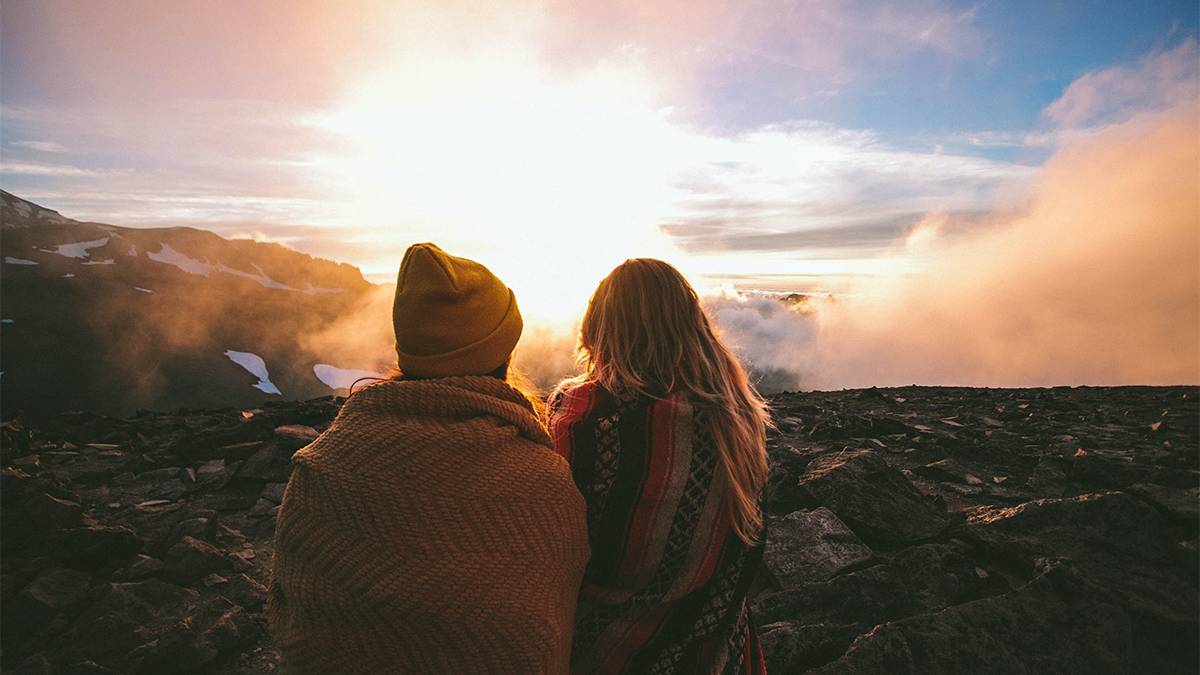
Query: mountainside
pixel 112 319
pixel 912 530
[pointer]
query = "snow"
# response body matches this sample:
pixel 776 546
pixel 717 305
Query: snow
pixel 80 248
pixel 313 290
pixel 6 321
pixel 17 261
pixel 254 364
pixel 132 251
pixel 144 290
pixel 22 208
pixel 68 276
pixel 340 378
pixel 170 256
pixel 108 261
pixel 261 277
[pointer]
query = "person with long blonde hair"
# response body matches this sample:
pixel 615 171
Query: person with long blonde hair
pixel 665 435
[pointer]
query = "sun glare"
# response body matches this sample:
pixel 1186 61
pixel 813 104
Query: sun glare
pixel 549 182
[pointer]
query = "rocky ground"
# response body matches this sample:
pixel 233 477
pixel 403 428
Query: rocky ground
pixel 928 530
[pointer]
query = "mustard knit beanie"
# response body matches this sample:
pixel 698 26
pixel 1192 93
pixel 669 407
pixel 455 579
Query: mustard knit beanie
pixel 451 315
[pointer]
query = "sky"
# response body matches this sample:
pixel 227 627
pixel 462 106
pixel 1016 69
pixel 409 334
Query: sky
pixel 759 144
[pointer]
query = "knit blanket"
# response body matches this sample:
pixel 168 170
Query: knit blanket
pixel 430 529
pixel 665 590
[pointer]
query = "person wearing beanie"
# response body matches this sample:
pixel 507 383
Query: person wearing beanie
pixel 432 528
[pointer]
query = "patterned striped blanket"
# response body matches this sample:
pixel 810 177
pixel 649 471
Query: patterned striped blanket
pixel 665 590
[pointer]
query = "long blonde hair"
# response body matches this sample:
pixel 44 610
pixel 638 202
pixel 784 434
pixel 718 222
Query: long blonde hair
pixel 645 333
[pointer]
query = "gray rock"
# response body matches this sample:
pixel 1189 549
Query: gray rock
pixel 52 513
pixel 1045 627
pixel 1181 504
pixel 872 498
pixel 191 559
pixel 811 546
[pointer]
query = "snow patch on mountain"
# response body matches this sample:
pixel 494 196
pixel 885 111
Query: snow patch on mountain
pixel 314 290
pixel 170 256
pixel 107 261
pixel 144 290
pixel 79 249
pixel 340 378
pixel 254 364
pixel 204 268
pixel 8 259
pixel 261 277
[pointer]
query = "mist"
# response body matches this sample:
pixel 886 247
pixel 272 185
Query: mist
pixel 1094 281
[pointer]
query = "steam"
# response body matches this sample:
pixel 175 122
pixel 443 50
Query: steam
pixel 1095 282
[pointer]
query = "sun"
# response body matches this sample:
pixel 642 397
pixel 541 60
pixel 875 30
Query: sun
pixel 548 179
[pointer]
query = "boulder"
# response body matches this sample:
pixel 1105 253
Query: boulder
pixel 922 578
pixel 791 647
pixel 51 513
pixel 127 616
pixel 1123 547
pixel 1182 505
pixel 811 546
pixel 53 592
pixel 1047 626
pixel 94 545
pixel 191 559
pixel 292 437
pixel 271 464
pixel 873 499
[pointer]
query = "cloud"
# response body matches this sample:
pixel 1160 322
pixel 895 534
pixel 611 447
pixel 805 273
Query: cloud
pixel 1157 81
pixel 39 146
pixel 10 168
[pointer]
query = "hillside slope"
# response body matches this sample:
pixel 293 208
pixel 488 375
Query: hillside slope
pixel 112 319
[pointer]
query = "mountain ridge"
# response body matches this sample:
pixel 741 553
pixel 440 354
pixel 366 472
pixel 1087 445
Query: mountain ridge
pixel 148 317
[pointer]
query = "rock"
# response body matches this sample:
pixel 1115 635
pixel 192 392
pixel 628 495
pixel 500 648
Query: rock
pixel 271 464
pixel 213 474
pixel 872 498
pixel 948 469
pixel 1122 546
pixel 247 592
pixel 811 546
pixel 916 579
pixel 35 665
pixel 1046 627
pixel 1181 504
pixel 93 546
pixel 273 492
pixel 127 616
pixel 54 591
pixel 264 507
pixel 208 631
pixel 52 513
pixel 142 567
pixel 214 579
pixel 789 647
pixel 191 559
pixel 292 437
pixel 85 472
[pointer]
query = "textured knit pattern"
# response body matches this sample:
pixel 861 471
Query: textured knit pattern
pixel 430 529
pixel 665 590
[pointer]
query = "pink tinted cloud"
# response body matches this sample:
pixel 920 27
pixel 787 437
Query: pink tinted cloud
pixel 1157 81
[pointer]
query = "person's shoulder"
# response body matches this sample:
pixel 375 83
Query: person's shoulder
pixel 571 391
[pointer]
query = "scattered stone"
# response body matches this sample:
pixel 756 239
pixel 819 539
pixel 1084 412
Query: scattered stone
pixel 52 513
pixel 94 545
pixel 191 559
pixel 811 546
pixel 876 501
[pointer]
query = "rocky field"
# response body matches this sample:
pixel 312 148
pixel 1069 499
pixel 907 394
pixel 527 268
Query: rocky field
pixel 929 530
